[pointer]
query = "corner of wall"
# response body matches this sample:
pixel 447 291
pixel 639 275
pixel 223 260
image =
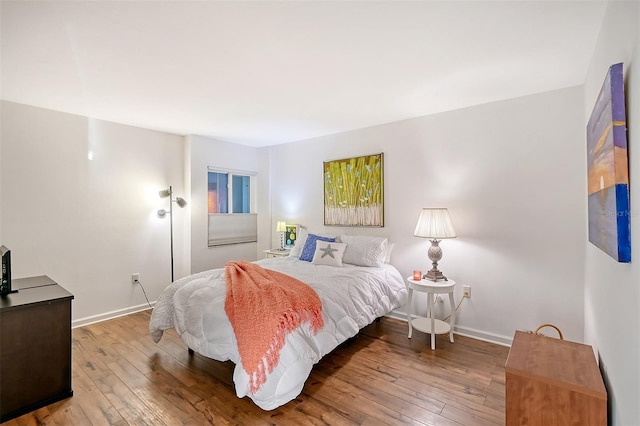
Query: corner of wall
pixel 186 264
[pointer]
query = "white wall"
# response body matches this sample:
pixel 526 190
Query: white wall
pixel 89 224
pixel 612 290
pixel 513 176
pixel 202 153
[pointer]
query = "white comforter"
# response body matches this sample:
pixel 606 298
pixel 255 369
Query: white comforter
pixel 352 297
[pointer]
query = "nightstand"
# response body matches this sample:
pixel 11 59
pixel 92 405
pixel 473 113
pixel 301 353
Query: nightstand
pixel 271 253
pixel 429 323
pixel 35 346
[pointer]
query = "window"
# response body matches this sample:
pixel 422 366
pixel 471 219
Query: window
pixel 231 205
pixel 218 192
pixel 241 194
pixel 223 193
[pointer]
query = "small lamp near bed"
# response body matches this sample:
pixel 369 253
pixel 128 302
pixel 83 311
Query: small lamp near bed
pixel 281 227
pixel 162 213
pixel 435 224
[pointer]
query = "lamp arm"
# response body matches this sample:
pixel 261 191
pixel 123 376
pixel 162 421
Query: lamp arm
pixel 171 229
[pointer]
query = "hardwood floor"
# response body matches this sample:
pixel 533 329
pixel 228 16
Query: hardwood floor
pixel 120 377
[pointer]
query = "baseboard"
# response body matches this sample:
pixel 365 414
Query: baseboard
pixel 465 331
pixel 486 336
pixel 397 315
pixel 109 315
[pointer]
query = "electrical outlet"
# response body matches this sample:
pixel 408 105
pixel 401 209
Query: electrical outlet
pixel 466 291
pixel 135 279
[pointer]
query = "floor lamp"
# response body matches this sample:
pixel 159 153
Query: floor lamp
pixel 162 213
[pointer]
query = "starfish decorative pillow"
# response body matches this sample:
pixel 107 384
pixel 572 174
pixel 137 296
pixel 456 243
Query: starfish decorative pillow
pixel 328 253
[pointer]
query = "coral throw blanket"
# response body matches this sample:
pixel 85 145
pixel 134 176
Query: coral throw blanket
pixel 263 306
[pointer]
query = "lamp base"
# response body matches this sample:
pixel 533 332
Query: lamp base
pixel 434 275
pixel 435 254
pixel 281 241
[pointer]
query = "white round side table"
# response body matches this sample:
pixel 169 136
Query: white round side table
pixel 430 324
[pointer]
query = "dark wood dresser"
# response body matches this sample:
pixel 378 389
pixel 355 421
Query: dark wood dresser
pixel 35 346
pixel 553 382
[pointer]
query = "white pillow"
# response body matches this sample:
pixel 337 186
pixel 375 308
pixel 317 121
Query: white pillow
pixel 301 238
pixel 363 250
pixel 328 253
pixel 387 255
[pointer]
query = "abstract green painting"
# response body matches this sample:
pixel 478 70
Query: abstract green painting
pixel 353 191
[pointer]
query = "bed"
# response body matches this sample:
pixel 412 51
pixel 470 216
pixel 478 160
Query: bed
pixel 352 296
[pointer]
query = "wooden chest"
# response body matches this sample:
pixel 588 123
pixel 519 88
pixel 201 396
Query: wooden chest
pixel 553 382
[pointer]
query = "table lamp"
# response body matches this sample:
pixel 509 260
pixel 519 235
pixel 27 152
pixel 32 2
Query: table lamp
pixel 435 224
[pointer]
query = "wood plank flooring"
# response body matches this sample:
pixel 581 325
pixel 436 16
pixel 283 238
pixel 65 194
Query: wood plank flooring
pixel 120 377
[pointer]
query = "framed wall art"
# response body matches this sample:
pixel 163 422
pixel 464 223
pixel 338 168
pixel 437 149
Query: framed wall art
pixel 608 170
pixel 353 191
pixel 290 235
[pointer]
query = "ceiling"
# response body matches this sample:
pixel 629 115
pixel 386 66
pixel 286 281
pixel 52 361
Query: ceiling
pixel 264 73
